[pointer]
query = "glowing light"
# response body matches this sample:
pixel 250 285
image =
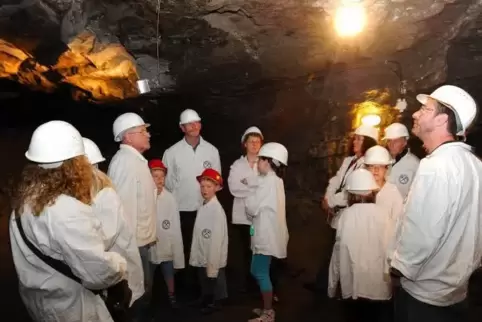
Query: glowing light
pixel 350 19
pixel 371 119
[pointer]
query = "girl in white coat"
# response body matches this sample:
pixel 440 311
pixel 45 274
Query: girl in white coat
pixel 335 199
pixel 169 251
pixel 242 182
pixel 209 248
pixel 53 216
pixel 377 161
pixel 361 264
pixel 269 230
pixel 108 208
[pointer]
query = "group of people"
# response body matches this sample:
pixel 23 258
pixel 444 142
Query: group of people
pixel 86 244
pixel 407 233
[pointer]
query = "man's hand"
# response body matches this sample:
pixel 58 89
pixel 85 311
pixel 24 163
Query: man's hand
pixel 324 204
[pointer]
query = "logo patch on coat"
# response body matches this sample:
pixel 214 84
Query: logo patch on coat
pixel 166 224
pixel 403 179
pixel 206 233
pixel 207 164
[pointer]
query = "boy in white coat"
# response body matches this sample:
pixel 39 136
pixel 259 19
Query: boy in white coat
pixel 209 248
pixel 169 251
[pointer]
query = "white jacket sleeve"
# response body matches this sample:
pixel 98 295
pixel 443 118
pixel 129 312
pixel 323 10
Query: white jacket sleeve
pixel 334 198
pixel 171 172
pixel 236 187
pixel 216 247
pixel 217 162
pixel 177 242
pixel 424 224
pixel 126 187
pixel 256 201
pixel 82 247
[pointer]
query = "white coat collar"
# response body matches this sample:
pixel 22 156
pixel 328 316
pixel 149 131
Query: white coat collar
pixel 201 142
pixel 210 202
pixel 450 145
pixel 130 149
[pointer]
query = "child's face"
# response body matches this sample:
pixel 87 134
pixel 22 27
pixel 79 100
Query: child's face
pixel 159 177
pixel 378 171
pixel 263 166
pixel 208 188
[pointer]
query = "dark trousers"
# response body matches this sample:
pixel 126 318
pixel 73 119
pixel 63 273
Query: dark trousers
pixel 243 254
pixel 364 310
pixel 275 271
pixel 187 277
pixel 323 272
pixel 409 309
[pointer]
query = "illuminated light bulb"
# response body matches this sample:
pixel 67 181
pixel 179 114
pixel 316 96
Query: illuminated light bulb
pixel 350 19
pixel 371 119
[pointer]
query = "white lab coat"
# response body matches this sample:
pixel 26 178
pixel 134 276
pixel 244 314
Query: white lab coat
pixel 268 211
pixel 185 164
pixel 359 254
pixel 389 197
pixel 240 170
pixel 335 192
pixel 209 246
pixel 107 207
pixel 133 182
pixel 402 172
pixel 170 245
pixel 439 239
pixel 68 231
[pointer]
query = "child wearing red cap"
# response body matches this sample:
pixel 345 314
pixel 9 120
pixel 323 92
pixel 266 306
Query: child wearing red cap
pixel 209 248
pixel 168 252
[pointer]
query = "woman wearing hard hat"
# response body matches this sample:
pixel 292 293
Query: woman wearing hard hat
pixel 335 197
pixel 56 240
pixel 439 244
pixel 269 232
pixel 108 208
pixel 377 161
pixel 405 163
pixel 242 181
pixel 359 255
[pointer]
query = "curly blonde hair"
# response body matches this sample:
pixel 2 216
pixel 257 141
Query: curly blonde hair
pixel 39 188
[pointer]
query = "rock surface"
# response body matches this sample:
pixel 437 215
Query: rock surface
pixel 103 46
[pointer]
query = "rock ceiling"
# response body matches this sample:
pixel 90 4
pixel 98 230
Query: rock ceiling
pixel 102 47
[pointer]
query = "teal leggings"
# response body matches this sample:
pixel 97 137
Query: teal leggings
pixel 260 267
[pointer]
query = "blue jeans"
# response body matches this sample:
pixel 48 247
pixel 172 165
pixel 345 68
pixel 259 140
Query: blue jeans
pixel 167 270
pixel 260 268
pixel 140 310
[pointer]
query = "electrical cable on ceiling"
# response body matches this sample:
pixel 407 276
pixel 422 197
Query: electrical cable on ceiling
pixel 158 43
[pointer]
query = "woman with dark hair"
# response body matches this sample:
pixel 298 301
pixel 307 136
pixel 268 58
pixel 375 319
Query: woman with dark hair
pixel 335 197
pixel 242 182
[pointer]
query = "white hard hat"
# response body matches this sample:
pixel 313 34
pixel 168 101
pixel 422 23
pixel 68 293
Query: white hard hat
pixel 378 155
pixel 361 182
pixel 188 116
pixel 124 122
pixel 55 141
pixel 458 100
pixel 395 131
pixel 92 151
pixel 275 151
pixel 367 130
pixel 251 130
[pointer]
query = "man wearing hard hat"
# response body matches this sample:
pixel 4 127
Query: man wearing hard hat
pixel 188 158
pixel 133 182
pixel 405 163
pixel 438 244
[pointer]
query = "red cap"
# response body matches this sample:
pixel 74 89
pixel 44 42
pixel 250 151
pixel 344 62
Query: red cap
pixel 157 164
pixel 211 174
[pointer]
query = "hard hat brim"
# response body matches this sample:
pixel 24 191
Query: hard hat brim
pixel 118 138
pixel 198 119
